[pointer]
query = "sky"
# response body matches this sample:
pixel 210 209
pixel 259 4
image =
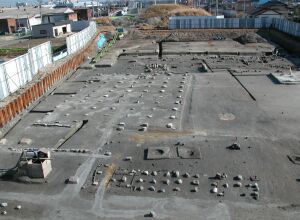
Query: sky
pixel 13 2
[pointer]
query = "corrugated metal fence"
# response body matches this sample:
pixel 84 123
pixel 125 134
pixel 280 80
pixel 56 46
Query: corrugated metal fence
pixel 198 22
pixel 77 41
pixel 16 72
pixel 289 27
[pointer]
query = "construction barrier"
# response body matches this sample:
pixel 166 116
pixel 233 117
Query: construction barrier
pixel 32 92
pixel 199 22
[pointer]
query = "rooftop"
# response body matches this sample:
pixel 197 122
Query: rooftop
pixel 30 12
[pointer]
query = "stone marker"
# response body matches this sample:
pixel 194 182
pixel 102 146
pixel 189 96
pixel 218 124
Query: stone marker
pixel 25 141
pixel 124 179
pixel 220 194
pixel 169 125
pixel 214 184
pixel 195 189
pixel 225 185
pixel 3 212
pixel 176 189
pixel 167 182
pixel 238 184
pixel 161 191
pixel 140 180
pixel 195 182
pixel 172 117
pixel 140 188
pixel 18 207
pixel 179 181
pixel 152 188
pixel 73 180
pixel 3 204
pixel 95 183
pixel 128 158
pixel 255 195
pixel 238 177
pixel 167 174
pixel 152 214
pixel 153 181
pixel 154 173
pixel 3 141
pixel 145 172
pixel 145 125
pixel 186 175
pixel 214 190
pixel 107 153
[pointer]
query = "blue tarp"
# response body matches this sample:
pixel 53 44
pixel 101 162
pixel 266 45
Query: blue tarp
pixel 101 41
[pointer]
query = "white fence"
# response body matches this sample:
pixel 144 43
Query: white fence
pixel 16 72
pixel 77 41
pixel 198 22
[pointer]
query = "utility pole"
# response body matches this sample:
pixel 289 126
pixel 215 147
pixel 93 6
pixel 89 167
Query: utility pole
pixel 40 6
pixel 244 8
pixel 217 9
pixel 98 8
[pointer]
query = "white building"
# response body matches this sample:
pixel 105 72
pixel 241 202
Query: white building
pixel 51 29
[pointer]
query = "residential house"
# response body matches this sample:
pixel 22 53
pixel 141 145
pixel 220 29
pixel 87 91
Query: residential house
pixel 272 9
pixel 84 13
pixel 55 29
pixel 7 25
pixel 12 19
pixel 59 14
pixel 243 6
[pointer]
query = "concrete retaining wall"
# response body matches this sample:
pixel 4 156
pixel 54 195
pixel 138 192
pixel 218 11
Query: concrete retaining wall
pixel 32 92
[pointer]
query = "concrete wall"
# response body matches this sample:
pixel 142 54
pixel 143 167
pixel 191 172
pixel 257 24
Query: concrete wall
pixel 289 43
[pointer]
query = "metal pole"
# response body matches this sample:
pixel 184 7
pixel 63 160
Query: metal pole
pixel 244 8
pixel 217 7
pixel 98 8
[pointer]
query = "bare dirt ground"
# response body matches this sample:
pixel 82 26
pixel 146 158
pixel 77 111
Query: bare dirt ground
pixel 150 116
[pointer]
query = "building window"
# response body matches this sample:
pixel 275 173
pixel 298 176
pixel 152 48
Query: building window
pixel 43 32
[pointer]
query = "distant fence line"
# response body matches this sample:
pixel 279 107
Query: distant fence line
pixel 198 22
pixel 17 72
